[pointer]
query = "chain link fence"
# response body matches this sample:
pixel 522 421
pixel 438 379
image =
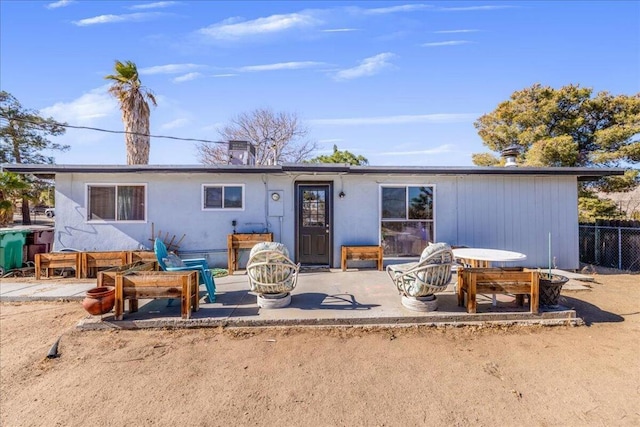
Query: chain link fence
pixel 614 244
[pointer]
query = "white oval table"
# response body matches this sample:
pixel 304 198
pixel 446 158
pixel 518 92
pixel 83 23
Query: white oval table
pixel 482 257
pixel 488 255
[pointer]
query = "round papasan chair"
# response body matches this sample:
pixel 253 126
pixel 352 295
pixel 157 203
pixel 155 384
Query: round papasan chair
pixel 417 282
pixel 272 275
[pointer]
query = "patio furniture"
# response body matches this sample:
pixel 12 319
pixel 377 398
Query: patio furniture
pixel 361 252
pixel 515 281
pixel 417 282
pixel 272 275
pixel 169 261
pixel 482 257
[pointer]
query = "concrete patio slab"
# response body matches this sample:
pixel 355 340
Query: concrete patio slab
pixel 333 298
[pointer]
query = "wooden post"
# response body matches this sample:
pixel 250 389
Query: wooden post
pixel 471 294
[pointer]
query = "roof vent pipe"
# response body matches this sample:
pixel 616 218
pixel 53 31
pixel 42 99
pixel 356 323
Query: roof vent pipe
pixel 510 153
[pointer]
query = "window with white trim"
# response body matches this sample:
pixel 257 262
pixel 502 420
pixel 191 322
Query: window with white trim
pixel 116 202
pixel 406 219
pixel 223 197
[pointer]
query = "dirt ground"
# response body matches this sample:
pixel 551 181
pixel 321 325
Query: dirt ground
pixel 468 376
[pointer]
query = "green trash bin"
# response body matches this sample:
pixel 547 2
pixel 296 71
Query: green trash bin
pixel 11 248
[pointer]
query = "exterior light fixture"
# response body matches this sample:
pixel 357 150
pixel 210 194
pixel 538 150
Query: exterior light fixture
pixel 341 195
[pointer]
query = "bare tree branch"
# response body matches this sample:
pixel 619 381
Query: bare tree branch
pixel 278 137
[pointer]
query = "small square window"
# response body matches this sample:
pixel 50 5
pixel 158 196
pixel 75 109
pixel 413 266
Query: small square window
pixel 223 197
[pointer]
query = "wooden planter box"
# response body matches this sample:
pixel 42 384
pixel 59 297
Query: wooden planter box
pixel 182 285
pixel 144 256
pixel 243 241
pixel 108 277
pixel 93 261
pixel 514 281
pixel 51 261
pixel 361 252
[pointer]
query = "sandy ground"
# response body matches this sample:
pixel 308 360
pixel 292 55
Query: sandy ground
pixel 468 376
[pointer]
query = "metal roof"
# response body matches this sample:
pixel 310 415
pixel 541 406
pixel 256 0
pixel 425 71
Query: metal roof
pixel 583 173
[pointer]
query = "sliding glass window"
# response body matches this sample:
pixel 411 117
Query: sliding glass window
pixel 406 224
pixel 111 202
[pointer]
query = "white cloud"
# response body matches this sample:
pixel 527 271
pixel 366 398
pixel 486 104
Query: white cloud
pixel 446 43
pixel 232 29
pixel 111 19
pixel 187 77
pixel 169 69
pixel 340 30
pixel 174 124
pixel 368 67
pixel 224 75
pixel 455 31
pixel 156 5
pixel 446 148
pixel 281 66
pixel 395 120
pixel 86 109
pixel 60 3
pixel 394 9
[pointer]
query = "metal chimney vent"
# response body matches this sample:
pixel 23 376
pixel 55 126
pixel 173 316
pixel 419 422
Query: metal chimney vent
pixel 510 154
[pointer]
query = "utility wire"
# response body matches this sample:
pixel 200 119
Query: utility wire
pixel 113 131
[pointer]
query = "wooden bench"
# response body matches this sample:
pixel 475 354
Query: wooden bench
pixel 182 285
pixel 53 260
pixel 361 252
pixel 514 281
pixel 92 261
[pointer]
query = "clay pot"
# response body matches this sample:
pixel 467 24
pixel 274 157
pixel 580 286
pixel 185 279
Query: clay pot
pixel 99 300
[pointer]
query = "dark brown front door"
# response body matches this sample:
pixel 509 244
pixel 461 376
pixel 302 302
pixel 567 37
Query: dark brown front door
pixel 314 230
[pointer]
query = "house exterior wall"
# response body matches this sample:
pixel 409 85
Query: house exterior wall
pixel 492 211
pixel 518 213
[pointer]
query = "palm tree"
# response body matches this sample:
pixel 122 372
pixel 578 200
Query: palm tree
pixel 134 103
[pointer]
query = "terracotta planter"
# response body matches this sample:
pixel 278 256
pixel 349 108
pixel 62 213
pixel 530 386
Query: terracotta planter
pixel 99 300
pixel 550 288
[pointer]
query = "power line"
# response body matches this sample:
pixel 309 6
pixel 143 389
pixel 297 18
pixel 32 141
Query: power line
pixel 121 132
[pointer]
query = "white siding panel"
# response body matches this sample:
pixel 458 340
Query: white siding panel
pixel 517 214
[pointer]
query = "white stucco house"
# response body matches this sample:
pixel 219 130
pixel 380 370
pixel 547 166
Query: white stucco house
pixel 315 208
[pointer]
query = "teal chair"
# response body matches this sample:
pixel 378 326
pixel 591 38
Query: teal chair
pixel 171 262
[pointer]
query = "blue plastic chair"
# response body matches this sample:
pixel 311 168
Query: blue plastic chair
pixel 198 264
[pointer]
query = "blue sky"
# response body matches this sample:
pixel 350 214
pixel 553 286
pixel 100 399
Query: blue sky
pixel 398 82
